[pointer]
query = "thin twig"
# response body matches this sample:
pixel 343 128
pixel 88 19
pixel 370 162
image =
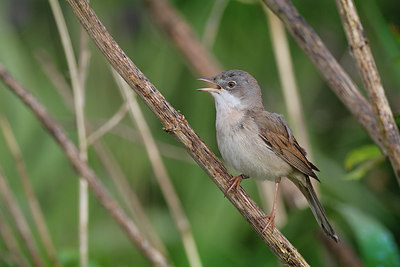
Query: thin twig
pixel 293 103
pixel 361 52
pixel 167 188
pixel 121 130
pixel 183 37
pixel 177 125
pixel 56 78
pixel 111 165
pixel 129 197
pixel 287 79
pixel 291 96
pixel 20 221
pixel 11 244
pixel 213 21
pixel 99 191
pixel 84 58
pixel 33 202
pixel 333 73
pixel 79 104
pixel 132 135
pixel 108 126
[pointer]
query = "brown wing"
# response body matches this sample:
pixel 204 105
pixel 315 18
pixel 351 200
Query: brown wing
pixel 275 131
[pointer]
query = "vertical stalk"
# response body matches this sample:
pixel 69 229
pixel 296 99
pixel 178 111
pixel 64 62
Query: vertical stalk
pixel 79 104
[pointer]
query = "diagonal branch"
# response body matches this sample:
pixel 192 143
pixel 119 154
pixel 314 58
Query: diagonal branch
pixel 160 171
pixel 129 197
pixel 176 124
pixel 333 73
pixel 83 169
pixel 362 55
pixel 108 125
pixel 14 251
pixel 201 61
pixel 20 221
pixel 33 202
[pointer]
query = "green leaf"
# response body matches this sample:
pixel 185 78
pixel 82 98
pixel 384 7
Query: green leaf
pixel 375 241
pixel 248 1
pixel 361 170
pixel 360 155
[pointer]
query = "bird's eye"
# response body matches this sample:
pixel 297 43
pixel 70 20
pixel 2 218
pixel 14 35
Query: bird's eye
pixel 231 84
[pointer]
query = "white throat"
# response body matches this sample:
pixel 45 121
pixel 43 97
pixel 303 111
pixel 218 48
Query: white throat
pixel 230 110
pixel 224 101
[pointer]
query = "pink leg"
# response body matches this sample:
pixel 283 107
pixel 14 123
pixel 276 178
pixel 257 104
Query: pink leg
pixel 271 216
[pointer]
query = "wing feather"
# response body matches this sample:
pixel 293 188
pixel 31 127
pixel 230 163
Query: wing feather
pixel 275 131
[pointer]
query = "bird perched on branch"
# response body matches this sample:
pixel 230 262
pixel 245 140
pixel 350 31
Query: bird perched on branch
pixel 259 143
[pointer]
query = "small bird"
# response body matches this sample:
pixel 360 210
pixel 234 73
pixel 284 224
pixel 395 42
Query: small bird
pixel 258 143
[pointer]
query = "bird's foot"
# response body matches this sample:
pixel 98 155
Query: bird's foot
pixel 236 182
pixel 270 222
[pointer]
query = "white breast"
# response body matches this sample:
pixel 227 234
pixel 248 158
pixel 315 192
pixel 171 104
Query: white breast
pixel 241 146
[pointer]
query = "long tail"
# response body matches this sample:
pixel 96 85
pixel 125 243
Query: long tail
pixel 316 207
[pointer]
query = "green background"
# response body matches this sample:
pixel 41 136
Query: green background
pixel 359 189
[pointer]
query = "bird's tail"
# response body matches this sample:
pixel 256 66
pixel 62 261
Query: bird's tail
pixel 316 207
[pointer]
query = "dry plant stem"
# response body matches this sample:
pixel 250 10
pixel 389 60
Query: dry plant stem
pixel 334 74
pixel 287 78
pixel 361 52
pixel 176 124
pixel 79 103
pixel 167 150
pixel 128 196
pixel 84 58
pixel 291 96
pixel 33 202
pixel 161 173
pixel 99 191
pixel 56 78
pixel 292 99
pixel 213 21
pixel 180 33
pixel 111 165
pixel 108 126
pixel 11 244
pixel 20 221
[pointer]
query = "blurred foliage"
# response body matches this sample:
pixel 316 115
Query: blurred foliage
pixel 365 212
pixel 374 240
pixel 362 160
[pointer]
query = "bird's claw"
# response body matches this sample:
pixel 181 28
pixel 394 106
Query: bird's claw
pixel 270 222
pixel 236 183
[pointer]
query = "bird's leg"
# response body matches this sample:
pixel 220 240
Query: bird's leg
pixel 236 182
pixel 271 216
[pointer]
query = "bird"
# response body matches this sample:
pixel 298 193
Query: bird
pixel 258 143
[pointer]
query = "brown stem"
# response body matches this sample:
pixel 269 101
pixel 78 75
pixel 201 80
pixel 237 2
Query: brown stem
pixel 83 169
pixel 109 162
pixel 171 197
pixel 20 221
pixel 183 37
pixel 128 196
pixel 333 73
pixel 33 202
pixel 15 253
pixel 176 124
pixel 361 52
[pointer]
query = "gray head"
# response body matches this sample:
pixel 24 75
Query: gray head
pixel 235 88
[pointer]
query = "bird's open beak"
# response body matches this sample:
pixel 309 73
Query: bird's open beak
pixel 209 89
